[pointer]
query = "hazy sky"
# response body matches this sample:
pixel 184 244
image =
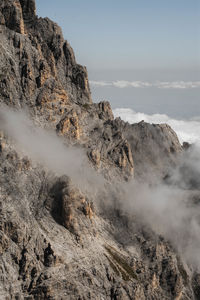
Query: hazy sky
pixel 135 40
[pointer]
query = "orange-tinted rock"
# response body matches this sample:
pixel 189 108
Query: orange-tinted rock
pixel 69 126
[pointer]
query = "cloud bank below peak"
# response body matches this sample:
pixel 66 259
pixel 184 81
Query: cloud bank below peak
pixel 147 84
pixel 186 130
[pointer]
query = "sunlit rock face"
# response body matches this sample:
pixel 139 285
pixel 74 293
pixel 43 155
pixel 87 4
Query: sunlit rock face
pixel 59 240
pixel 37 59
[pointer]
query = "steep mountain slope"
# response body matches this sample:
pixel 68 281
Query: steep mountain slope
pixel 59 241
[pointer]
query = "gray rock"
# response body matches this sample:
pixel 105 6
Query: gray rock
pixel 55 241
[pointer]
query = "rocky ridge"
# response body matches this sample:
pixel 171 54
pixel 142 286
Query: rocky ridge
pixel 56 242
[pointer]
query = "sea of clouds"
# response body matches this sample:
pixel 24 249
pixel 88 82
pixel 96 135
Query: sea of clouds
pixel 146 84
pixel 187 130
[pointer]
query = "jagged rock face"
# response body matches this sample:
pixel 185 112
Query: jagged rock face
pixel 11 15
pixel 39 70
pixel 28 9
pixel 154 146
pixel 55 241
pixel 37 59
pixel 55 246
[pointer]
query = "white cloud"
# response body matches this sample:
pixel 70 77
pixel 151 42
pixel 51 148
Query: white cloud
pixel 187 130
pixel 144 84
pixel 178 84
pixel 135 84
pixel 99 83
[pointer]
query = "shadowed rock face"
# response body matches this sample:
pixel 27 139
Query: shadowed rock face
pixel 15 13
pixel 28 9
pixel 55 241
pixel 11 15
pixel 154 147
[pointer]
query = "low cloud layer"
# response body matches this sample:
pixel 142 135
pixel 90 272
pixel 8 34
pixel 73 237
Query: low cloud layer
pixel 145 84
pixel 187 130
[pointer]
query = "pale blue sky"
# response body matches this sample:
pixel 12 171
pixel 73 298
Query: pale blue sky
pixel 129 33
pixel 134 40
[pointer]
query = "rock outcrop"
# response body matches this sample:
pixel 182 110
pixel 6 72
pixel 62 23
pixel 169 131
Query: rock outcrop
pixel 57 242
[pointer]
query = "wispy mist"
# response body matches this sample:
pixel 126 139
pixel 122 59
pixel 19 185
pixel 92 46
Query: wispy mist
pixel 45 147
pixel 170 207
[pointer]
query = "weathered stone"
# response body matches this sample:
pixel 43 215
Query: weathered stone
pixel 69 126
pixel 28 8
pixel 11 15
pixel 55 241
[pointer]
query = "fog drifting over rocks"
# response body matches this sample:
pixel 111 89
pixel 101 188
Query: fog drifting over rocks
pixel 170 208
pixel 45 147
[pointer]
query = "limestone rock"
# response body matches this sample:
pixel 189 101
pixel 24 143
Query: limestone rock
pixel 11 15
pixel 154 147
pixel 28 9
pixel 38 59
pixel 69 125
pixel 57 242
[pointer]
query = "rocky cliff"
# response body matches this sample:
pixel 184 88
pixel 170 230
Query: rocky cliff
pixel 58 242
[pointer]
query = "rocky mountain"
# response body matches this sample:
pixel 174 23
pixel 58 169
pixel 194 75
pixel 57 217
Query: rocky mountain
pixel 56 240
